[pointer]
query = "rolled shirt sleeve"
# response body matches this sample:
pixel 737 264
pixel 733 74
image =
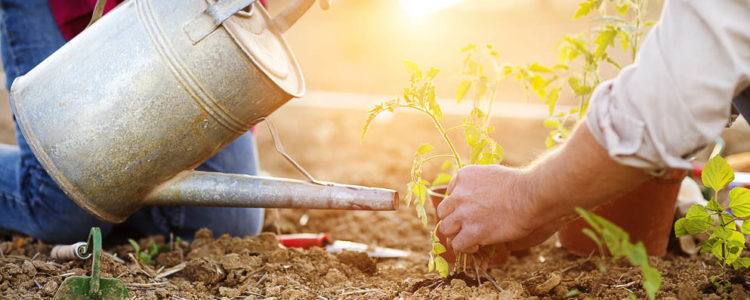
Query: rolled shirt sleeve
pixel 676 97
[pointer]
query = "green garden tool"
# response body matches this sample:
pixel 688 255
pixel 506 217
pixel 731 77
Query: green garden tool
pixel 85 288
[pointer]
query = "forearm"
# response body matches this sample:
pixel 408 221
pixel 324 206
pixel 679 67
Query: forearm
pixel 579 173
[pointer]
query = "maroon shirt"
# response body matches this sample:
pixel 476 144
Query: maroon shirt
pixel 72 16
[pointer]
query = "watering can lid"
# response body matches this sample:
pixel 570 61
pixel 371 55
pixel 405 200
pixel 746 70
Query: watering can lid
pixel 266 47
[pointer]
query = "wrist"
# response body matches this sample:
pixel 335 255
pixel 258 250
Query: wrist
pixel 528 201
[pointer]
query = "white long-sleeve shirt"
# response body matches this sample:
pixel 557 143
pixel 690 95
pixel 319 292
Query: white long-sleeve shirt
pixel 676 97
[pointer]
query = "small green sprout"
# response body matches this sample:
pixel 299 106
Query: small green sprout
pixel 149 256
pixel 718 282
pixel 617 241
pixel 572 293
pixel 725 242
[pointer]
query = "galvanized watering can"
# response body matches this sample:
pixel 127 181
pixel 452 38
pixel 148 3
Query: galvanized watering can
pixel 122 114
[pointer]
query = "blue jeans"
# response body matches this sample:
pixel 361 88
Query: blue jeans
pixel 31 202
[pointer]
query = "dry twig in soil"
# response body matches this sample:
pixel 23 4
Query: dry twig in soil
pixel 171 271
pixel 492 280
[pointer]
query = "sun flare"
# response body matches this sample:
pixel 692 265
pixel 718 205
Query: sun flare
pixel 419 8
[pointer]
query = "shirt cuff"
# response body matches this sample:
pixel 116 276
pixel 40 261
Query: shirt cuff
pixel 625 137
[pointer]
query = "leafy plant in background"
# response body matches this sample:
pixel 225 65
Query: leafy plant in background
pixel 617 241
pixel 148 256
pixel 581 57
pixel 725 242
pixel 480 78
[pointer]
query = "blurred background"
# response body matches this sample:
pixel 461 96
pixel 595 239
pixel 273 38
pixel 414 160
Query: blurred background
pixel 351 57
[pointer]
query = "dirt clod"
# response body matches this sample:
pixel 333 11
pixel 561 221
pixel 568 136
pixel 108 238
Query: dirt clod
pixel 204 270
pixel 359 260
pixel 171 258
pixel 552 281
pixel 28 268
pixel 688 292
pixel 50 288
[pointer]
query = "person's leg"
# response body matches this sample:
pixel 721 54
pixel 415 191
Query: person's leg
pixel 240 157
pixel 32 203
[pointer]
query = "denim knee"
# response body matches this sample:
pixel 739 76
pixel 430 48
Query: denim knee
pixel 57 218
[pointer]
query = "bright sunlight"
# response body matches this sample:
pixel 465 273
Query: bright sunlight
pixel 419 8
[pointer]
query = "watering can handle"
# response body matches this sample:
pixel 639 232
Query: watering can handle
pixel 202 25
pixel 98 11
pixel 293 12
pixel 211 18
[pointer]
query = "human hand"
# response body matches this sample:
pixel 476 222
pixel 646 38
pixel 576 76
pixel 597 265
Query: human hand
pixel 491 205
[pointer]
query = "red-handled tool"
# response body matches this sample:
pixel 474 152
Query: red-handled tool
pixel 323 240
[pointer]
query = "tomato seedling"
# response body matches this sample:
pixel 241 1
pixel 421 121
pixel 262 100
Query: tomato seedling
pixel 480 75
pixel 617 241
pixel 725 242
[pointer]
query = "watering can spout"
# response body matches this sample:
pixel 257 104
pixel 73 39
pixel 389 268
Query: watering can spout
pixel 197 188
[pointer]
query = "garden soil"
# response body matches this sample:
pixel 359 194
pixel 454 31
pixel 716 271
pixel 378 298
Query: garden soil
pixel 328 144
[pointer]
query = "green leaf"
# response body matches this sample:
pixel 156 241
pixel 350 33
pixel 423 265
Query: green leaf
pixel 744 261
pixel 537 68
pixel 463 88
pixel 468 48
pixel 136 247
pixel 572 293
pixel 371 116
pixel 537 83
pixel 431 263
pixel 727 220
pixel 438 248
pixel 442 266
pixel 589 218
pixel 482 86
pixel 477 150
pixel 584 8
pixel 499 153
pixel 410 67
pixel 578 89
pixel 622 9
pixel 549 142
pixel 651 281
pixel 604 40
pixel 441 179
pixel 717 173
pixel 488 159
pixel 592 236
pixel 409 193
pixel 433 72
pixel 638 256
pixel 721 233
pixel 552 97
pixel 746 227
pixel 421 214
pixel 679 228
pixel 551 123
pixel 473 133
pixel 424 148
pixel 697 212
pixel 714 206
pixel 447 165
pixel 739 201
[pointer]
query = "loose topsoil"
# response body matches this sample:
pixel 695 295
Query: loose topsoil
pixel 327 144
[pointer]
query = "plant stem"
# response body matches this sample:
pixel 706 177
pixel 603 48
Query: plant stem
pixel 436 156
pixel 489 108
pixel 456 127
pixel 443 133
